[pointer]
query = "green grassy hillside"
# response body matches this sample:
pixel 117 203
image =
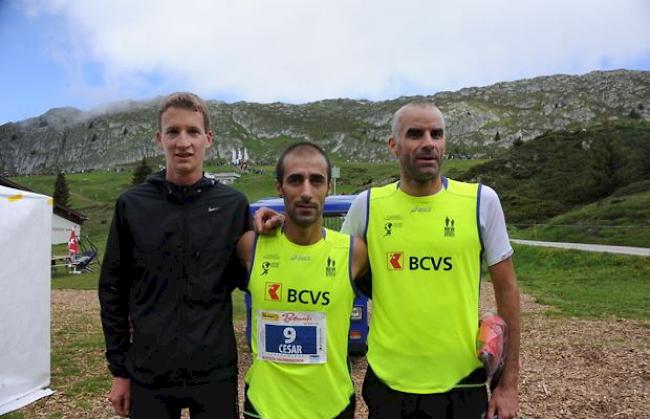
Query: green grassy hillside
pixel 619 220
pixel 559 172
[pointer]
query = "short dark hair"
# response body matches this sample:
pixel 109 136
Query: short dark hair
pixel 279 166
pixel 184 100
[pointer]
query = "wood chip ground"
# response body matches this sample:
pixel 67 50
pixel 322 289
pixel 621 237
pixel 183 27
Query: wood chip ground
pixel 571 368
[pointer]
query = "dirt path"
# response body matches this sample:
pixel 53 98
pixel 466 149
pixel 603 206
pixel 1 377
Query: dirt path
pixel 571 368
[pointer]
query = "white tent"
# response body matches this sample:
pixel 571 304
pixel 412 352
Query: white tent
pixel 25 252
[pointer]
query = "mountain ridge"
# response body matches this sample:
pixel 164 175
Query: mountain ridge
pixel 481 122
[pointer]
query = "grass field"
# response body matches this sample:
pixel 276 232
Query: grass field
pixel 584 284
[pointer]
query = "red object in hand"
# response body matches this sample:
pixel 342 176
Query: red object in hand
pixel 491 343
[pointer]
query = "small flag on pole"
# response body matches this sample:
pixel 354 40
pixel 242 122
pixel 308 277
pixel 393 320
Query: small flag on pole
pixel 73 243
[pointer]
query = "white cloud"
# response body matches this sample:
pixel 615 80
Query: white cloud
pixel 301 50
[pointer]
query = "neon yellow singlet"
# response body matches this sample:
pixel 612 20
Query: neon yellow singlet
pixel 425 258
pixel 290 377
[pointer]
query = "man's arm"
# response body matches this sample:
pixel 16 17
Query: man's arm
pixel 236 272
pixel 504 400
pixel 355 219
pixel 355 225
pixel 360 265
pixel 245 249
pixel 114 284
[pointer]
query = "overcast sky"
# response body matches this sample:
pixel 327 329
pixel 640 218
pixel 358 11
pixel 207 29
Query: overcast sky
pixel 86 53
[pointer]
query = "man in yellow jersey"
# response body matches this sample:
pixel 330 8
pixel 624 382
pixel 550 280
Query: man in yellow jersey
pixel 301 286
pixel 427 236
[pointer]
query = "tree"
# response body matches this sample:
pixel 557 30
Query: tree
pixel 141 172
pixel 604 166
pixel 497 137
pixel 518 142
pixel 61 194
pixel 634 114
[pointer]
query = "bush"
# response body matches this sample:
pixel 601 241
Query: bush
pixel 141 172
pixel 61 193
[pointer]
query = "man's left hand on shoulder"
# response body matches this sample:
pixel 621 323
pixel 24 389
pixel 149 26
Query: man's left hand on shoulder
pixel 266 221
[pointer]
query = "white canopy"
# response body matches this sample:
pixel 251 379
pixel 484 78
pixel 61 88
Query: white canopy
pixel 25 252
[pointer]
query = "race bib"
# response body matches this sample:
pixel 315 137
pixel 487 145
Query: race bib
pixel 292 337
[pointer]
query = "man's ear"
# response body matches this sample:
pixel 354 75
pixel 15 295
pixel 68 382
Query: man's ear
pixel 209 135
pixel 159 138
pixel 392 146
pixel 278 189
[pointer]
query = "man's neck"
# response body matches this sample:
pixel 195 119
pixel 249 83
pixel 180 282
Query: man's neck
pixel 415 188
pixel 303 236
pixel 183 179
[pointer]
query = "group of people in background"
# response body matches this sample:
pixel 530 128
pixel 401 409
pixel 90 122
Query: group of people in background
pixel 180 242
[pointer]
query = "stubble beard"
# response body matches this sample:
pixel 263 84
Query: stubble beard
pixel 303 221
pixel 418 176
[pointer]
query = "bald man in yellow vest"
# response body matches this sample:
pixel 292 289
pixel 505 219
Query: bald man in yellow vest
pixel 427 236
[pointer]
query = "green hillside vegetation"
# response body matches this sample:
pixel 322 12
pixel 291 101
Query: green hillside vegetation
pixel 618 220
pixel 560 172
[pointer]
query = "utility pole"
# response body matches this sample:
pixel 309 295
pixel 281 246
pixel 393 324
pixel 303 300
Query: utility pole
pixel 336 173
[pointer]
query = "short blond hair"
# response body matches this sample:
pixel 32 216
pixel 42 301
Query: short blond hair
pixel 184 100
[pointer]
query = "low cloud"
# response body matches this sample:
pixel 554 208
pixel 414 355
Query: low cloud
pixel 297 50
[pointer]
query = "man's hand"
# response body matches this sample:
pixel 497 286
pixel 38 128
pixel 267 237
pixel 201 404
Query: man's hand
pixel 504 400
pixel 266 221
pixel 503 403
pixel 120 396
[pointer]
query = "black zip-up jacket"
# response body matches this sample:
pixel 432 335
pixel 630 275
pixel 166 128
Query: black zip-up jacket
pixel 168 271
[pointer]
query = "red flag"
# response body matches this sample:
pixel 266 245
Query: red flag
pixel 73 243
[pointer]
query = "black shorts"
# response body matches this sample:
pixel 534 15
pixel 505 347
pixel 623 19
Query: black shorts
pixel 212 400
pixel 459 403
pixel 251 413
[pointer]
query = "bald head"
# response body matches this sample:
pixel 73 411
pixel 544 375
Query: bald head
pixel 396 124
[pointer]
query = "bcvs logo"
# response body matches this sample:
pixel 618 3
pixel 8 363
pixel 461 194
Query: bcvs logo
pixel 308 296
pixel 395 261
pixel 273 291
pixel 428 263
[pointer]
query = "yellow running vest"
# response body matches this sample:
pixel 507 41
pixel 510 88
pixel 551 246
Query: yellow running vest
pixel 302 300
pixel 425 255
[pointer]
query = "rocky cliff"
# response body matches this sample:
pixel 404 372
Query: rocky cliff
pixel 480 122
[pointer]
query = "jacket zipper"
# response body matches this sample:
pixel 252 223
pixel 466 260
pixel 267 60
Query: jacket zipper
pixel 184 293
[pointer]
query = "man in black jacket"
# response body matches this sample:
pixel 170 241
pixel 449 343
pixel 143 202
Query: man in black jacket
pixel 166 280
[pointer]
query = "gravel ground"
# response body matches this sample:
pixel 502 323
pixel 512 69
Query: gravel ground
pixel 571 368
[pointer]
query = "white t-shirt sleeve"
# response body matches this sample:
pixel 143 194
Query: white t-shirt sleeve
pixel 493 227
pixel 355 220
